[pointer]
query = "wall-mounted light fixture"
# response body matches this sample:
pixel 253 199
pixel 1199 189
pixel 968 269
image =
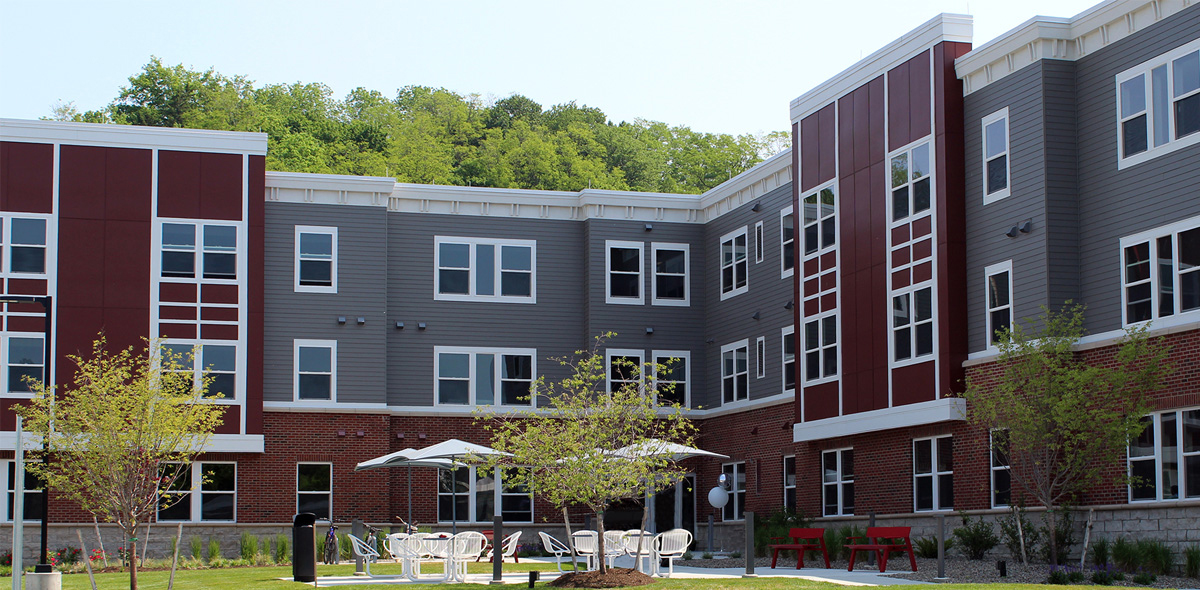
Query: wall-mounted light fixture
pixel 399 325
pixel 421 436
pixel 360 433
pixel 649 330
pixel 649 226
pixel 341 433
pixel 362 320
pixel 709 341
pixel 421 326
pixel 789 305
pixel 1026 226
pixel 756 316
pixel 756 207
pixel 341 320
pixel 1012 232
pixel 400 435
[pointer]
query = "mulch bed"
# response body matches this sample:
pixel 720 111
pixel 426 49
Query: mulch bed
pixel 615 577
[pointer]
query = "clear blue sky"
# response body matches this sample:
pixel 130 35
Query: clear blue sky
pixel 717 66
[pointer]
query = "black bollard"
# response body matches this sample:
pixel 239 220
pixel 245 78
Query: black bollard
pixel 497 550
pixel 533 577
pixel 870 523
pixel 1003 567
pixel 749 519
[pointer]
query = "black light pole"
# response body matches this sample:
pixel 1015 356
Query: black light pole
pixel 46 301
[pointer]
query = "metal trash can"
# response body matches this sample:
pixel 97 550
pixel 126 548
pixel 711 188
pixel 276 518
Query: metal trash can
pixel 304 547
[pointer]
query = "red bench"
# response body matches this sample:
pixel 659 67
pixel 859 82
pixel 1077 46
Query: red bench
pixel 884 540
pixel 802 540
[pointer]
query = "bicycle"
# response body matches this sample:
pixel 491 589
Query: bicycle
pixel 372 540
pixel 332 553
pixel 410 529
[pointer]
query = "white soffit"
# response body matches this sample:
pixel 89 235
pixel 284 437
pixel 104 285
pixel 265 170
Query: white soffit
pixel 1044 37
pixel 133 136
pixel 931 412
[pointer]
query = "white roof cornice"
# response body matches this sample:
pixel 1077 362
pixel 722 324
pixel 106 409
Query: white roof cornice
pixel 133 136
pixel 943 27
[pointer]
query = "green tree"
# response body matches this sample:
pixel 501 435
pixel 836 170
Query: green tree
pixel 1061 420
pixel 565 446
pixel 124 431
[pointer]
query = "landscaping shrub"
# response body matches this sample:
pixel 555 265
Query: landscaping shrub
pixel 1100 552
pixel 927 547
pixel 345 547
pixel 1065 537
pixel 1076 576
pixel 1125 555
pixel 777 524
pixel 281 549
pixel 1058 576
pixel 735 554
pixel 1010 533
pixel 1102 578
pixel 1191 561
pixel 320 549
pixel 197 547
pixel 214 550
pixel 706 555
pixel 687 555
pixel 975 540
pixel 248 547
pixel 1145 579
pixel 1156 556
pixel 836 539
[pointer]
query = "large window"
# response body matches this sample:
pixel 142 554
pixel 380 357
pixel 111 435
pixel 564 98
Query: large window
pixel 202 491
pixel 316 259
pixel 623 273
pixel 1160 272
pixel 787 242
pixel 471 494
pixel 25 358
pixel 482 269
pixel 995 156
pixel 912 187
pixel 999 300
pixel 215 361
pixel 1158 105
pixel 837 482
pixel 735 475
pixel 820 228
pixel 670 274
pixel 314 489
pixel 218 246
pixel 484 376
pixel 26 245
pixel 315 370
pixel 933 473
pixel 624 368
pixel 912 324
pixel 34 493
pixel 735 371
pixel 788 346
pixel 1164 462
pixel 789 482
pixel 1001 470
pixel 672 376
pixel 733 264
pixel 820 348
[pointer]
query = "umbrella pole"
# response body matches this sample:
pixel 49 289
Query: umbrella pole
pixel 409 496
pixel 454 504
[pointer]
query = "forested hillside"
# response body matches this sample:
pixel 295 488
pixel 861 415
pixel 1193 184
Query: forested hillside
pixel 433 135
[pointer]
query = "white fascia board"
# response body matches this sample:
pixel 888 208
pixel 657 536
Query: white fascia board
pixel 330 182
pixel 931 412
pixel 219 443
pixel 133 136
pixel 943 27
pixel 766 168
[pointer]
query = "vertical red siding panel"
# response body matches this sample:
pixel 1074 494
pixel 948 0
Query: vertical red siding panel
pixel 81 172
pixel 75 329
pixel 877 105
pixel 32 189
pixel 951 217
pixel 178 184
pixel 862 127
pixel 913 384
pixel 256 181
pixel 809 153
pixel 221 177
pixel 918 95
pixel 821 401
pixel 84 239
pixel 826 126
pixel 845 133
pixel 127 185
pixel 127 267
pixel 125 327
pixel 231 421
pixel 898 107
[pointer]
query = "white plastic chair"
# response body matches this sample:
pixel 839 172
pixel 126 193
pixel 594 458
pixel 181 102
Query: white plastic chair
pixel 393 544
pixel 614 546
pixel 364 551
pixel 464 547
pixel 508 548
pixel 670 546
pixel 555 547
pixel 586 546
pixel 435 545
pixel 631 547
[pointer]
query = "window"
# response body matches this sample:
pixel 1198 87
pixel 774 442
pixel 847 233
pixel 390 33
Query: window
pixel 999 300
pixel 484 376
pixel 995 156
pixel 314 489
pixel 760 357
pixel 471 494
pixel 933 473
pixel 316 370
pixel 623 275
pixel 911 183
pixel 735 475
pixel 25 359
pixel 820 348
pixel 1161 272
pixel 758 242
pixel 1158 105
pixel 735 382
pixel 624 368
pixel 671 384
pixel 316 259
pixel 670 273
pixel 27 246
pixel 789 483
pixel 820 230
pixel 481 269
pixel 837 482
pixel 1164 461
pixel 788 346
pixel 217 361
pixel 201 492
pixel 787 241
pixel 733 264
pixel 219 245
pixel 1001 472
pixel 34 494
pixel 912 324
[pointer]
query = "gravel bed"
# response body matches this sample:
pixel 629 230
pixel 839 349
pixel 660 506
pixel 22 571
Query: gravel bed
pixel 958 570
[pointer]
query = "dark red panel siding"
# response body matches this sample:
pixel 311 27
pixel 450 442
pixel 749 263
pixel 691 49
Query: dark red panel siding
pixel 177 292
pixel 127 185
pixel 898 108
pixel 913 384
pixel 178 184
pixel 127 266
pixel 861 134
pixel 76 327
pixel 219 332
pixel 845 130
pixel 26 324
pixel 231 421
pixel 27 287
pixel 82 273
pixel 951 217
pixel 27 177
pixel 810 152
pixel 81 173
pixel 918 96
pixel 820 401
pixel 876 100
pixel 826 120
pixel 256 183
pixel 125 327
pixel 219 293
pixel 221 178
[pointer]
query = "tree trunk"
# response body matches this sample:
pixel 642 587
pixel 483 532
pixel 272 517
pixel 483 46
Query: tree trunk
pixel 637 557
pixel 570 541
pixel 1021 535
pixel 132 559
pixel 1053 536
pixel 601 564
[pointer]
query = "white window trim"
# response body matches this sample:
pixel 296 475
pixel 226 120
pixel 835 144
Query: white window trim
pixel 911 291
pixel 993 468
pixel 733 346
pixel 729 237
pixel 1171 230
pixel 687 274
pixel 912 216
pixel 1180 456
pixel 686 357
pixel 472 352
pixel 760 247
pixel 641 296
pixel 760 357
pixel 934 474
pixel 297 485
pixel 801 225
pixel 472 481
pixel 841 480
pixel 611 353
pixel 784 334
pixel 802 354
pixel 241 252
pixel 1172 144
pixel 795 480
pixel 297 344
pixel 738 467
pixel 785 272
pixel 988 272
pixel 314 229
pixel 471 295
pixel 5 365
pixel 7 484
pixel 1007 153
pixel 6 244
pixel 195 499
pixel 239 373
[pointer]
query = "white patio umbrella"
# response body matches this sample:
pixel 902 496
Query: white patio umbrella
pixel 400 459
pixel 655 447
pixel 459 451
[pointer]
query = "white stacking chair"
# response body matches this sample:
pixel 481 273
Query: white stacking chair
pixel 614 546
pixel 393 545
pixel 631 548
pixel 556 548
pixel 464 548
pixel 586 546
pixel 670 546
pixel 508 548
pixel 365 552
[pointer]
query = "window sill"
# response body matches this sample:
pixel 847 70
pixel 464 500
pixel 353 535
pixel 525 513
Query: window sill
pixel 734 293
pixel 315 289
pixel 483 299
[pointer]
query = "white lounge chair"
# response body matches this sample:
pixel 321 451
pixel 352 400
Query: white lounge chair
pixel 614 546
pixel 631 547
pixel 464 548
pixel 586 546
pixel 393 544
pixel 670 546
pixel 556 548
pixel 508 548
pixel 364 551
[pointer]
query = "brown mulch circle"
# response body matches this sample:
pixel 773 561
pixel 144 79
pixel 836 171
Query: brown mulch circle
pixel 615 577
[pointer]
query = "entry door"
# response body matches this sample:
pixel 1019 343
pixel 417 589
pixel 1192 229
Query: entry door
pixel 675 507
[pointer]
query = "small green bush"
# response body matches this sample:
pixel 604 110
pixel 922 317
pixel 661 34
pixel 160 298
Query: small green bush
pixel 320 549
pixel 1012 535
pixel 281 549
pixel 927 547
pixel 1057 577
pixel 975 540
pixel 1144 579
pixel 214 550
pixel 1119 576
pixel 1076 576
pixel 836 540
pixel 706 555
pixel 1100 551
pixel 1102 578
pixel 735 554
pixel 1191 561
pixel 777 524
pixel 345 547
pixel 1064 536
pixel 197 547
pixel 687 555
pixel 1156 556
pixel 248 547
pixel 1125 555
